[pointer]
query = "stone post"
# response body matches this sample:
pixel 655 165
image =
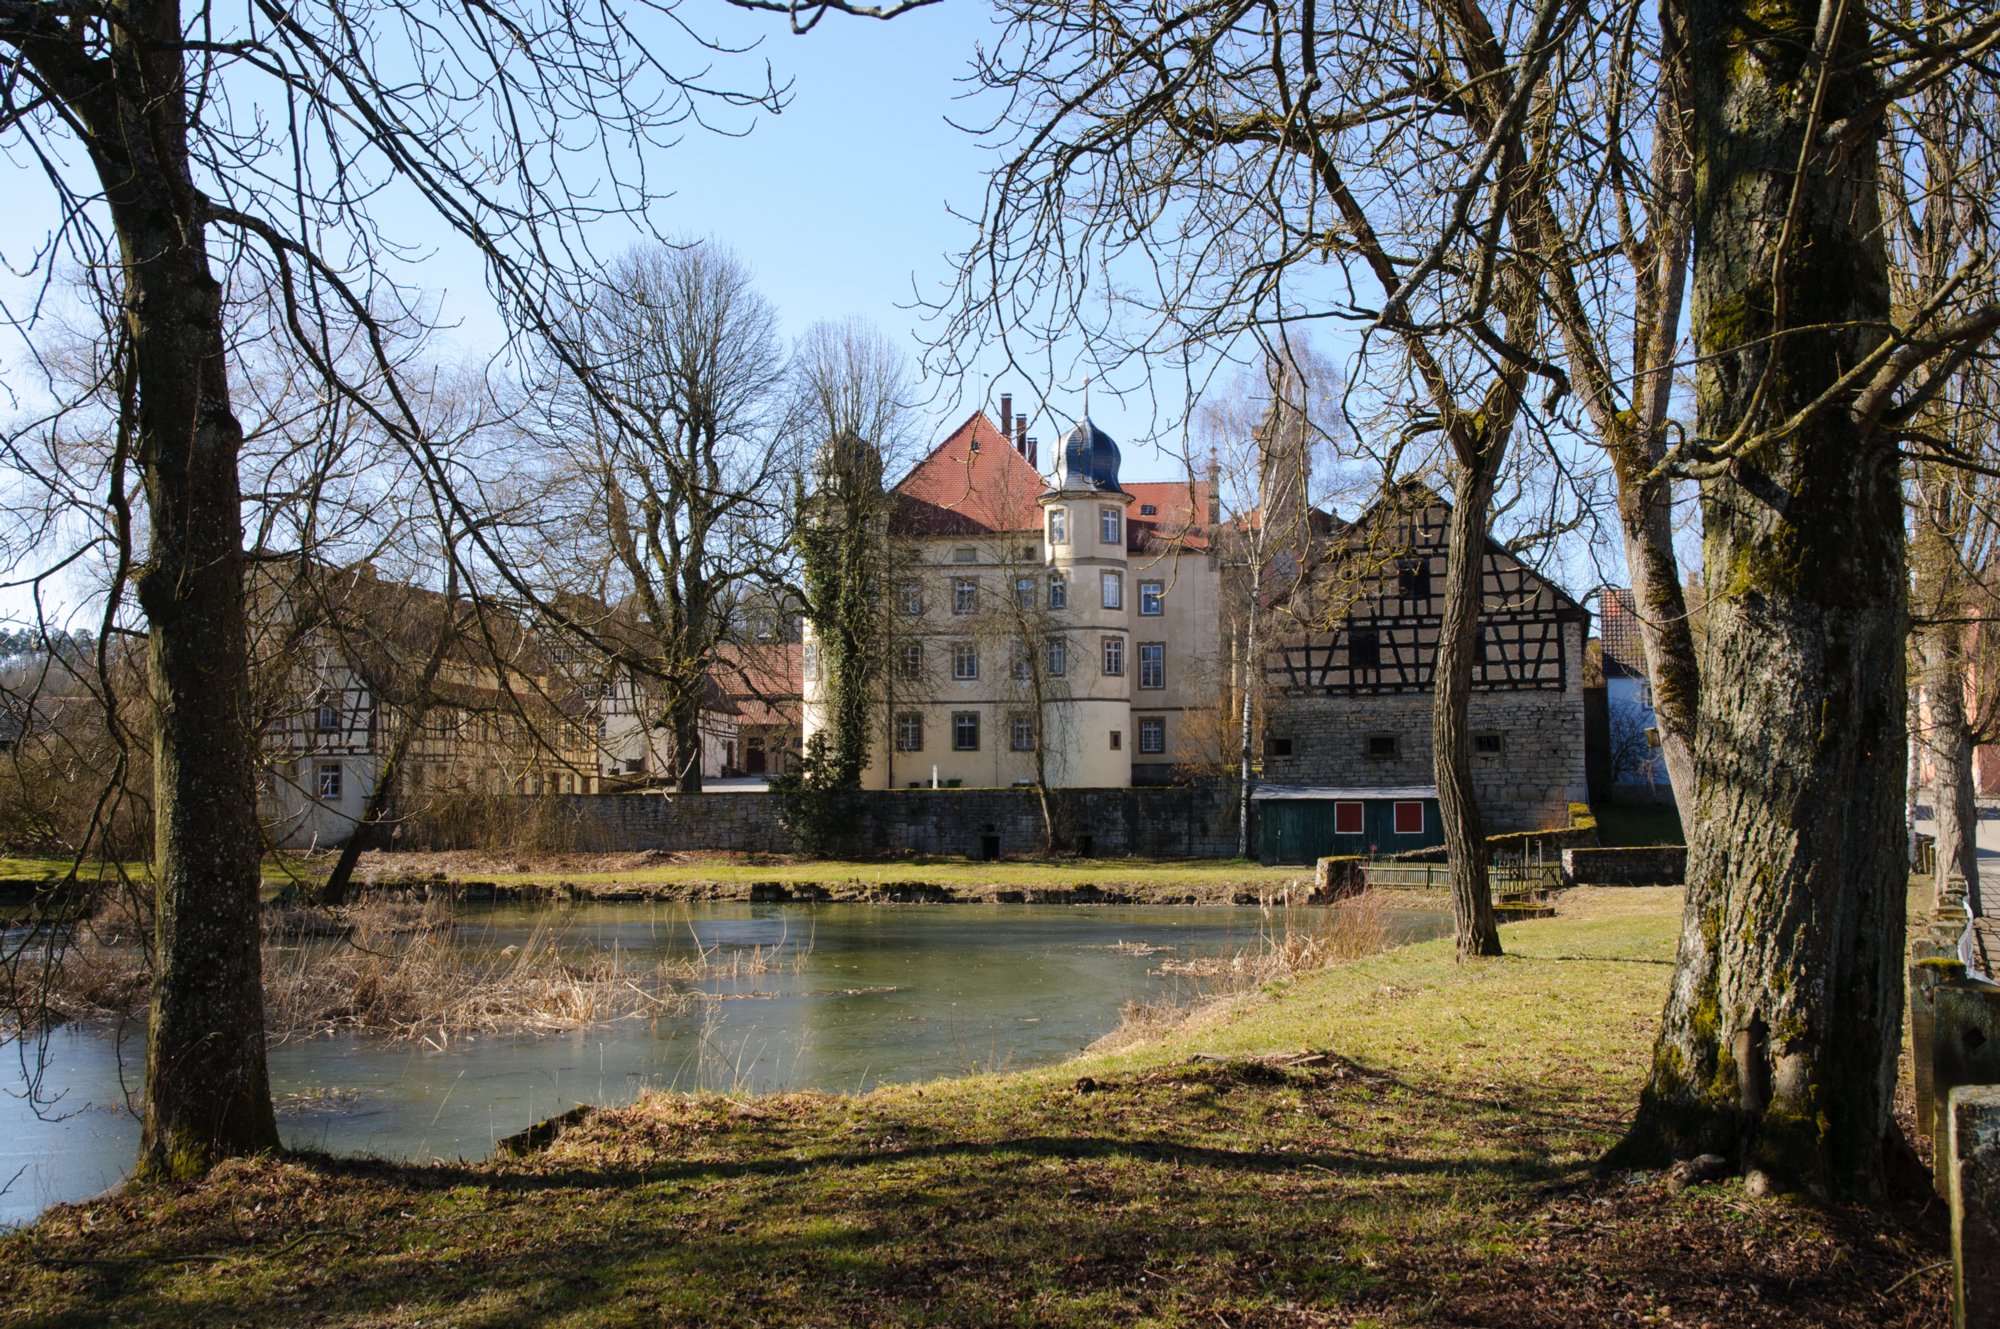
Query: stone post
pixel 1925 977
pixel 1965 1051
pixel 1973 1145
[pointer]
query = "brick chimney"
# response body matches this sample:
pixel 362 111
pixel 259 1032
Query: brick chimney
pixel 1006 415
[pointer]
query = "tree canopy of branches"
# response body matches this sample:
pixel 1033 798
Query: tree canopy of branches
pixel 190 150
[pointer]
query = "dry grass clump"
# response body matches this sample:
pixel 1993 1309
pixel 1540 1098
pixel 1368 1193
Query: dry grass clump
pixel 399 972
pixel 1298 939
pixel 391 969
pixel 1292 939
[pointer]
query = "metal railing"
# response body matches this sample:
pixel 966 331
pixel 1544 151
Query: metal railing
pixel 1511 880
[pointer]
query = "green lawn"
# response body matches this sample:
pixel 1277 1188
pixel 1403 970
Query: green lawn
pixel 1398 1140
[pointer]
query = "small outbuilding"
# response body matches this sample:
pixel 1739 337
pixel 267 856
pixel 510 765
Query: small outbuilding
pixel 1304 823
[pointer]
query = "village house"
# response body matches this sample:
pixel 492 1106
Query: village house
pixel 1058 628
pixel 1350 682
pixel 355 668
pixel 1635 769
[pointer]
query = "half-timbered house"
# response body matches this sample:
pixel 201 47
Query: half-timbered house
pixel 1350 676
pixel 355 667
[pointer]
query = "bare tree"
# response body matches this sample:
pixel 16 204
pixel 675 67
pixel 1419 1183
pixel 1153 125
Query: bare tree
pixel 681 480
pixel 184 146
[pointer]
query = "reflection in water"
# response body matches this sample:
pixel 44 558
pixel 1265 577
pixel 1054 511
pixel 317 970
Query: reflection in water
pixel 883 994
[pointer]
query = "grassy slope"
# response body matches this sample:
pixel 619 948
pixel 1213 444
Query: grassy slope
pixel 1433 1168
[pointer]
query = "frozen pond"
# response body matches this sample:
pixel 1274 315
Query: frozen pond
pixel 883 993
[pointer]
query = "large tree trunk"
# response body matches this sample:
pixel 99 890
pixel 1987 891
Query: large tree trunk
pixel 1646 517
pixel 1948 735
pixel 1781 1032
pixel 1451 740
pixel 207 1095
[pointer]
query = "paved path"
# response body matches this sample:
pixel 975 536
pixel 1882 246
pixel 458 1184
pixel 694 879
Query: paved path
pixel 1986 932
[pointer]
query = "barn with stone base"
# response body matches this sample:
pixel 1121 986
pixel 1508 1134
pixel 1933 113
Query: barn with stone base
pixel 1349 675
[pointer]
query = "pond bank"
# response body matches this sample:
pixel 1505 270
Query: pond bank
pixel 1396 1140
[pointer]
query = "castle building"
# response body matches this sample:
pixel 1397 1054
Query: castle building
pixel 1057 630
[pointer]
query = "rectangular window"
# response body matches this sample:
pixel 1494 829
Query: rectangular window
pixel 1109 522
pixel 964 595
pixel 1152 734
pixel 911 596
pixel 1409 818
pixel 1058 526
pixel 1024 661
pixel 1413 579
pixel 1117 740
pixel 1058 657
pixel 1024 592
pixel 964 660
pixel 1114 657
pixel 1364 648
pixel 1058 591
pixel 812 659
pixel 1382 745
pixel 910 731
pixel 1114 590
pixel 965 554
pixel 329 780
pixel 1277 747
pixel 1152 664
pixel 1151 599
pixel 910 662
pixel 965 731
pixel 329 714
pixel 1021 733
pixel 1486 744
pixel 1348 818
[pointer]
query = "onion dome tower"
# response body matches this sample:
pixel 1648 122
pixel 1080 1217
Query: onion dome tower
pixel 1084 538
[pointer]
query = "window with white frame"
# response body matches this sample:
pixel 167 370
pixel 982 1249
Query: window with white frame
pixel 1114 590
pixel 1024 592
pixel 964 595
pixel 812 659
pixel 1058 526
pixel 965 659
pixel 329 781
pixel 911 596
pixel 328 716
pixel 1021 732
pixel 1152 599
pixel 910 661
pixel 1110 526
pixel 910 731
pixel 1058 657
pixel 965 731
pixel 1152 734
pixel 1152 664
pixel 1058 591
pixel 1114 657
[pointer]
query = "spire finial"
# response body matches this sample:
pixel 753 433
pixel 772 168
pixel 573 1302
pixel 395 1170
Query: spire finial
pixel 1086 396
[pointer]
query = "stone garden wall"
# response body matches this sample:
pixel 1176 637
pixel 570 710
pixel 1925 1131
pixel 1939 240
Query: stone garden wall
pixel 1190 822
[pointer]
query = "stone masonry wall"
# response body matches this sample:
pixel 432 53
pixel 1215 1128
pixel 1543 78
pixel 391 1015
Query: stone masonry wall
pixel 1529 783
pixel 1190 822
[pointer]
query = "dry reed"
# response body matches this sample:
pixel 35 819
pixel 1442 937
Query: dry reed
pixel 1292 939
pixel 393 970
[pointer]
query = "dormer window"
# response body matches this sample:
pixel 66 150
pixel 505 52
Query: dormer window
pixel 1149 510
pixel 1110 524
pixel 1058 526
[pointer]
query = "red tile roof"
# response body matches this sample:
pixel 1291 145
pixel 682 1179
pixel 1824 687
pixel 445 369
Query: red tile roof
pixel 1183 511
pixel 763 679
pixel 973 483
pixel 1619 627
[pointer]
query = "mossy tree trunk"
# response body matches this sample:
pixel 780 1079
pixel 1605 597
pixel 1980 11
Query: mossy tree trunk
pixel 207 1092
pixel 1781 1031
pixel 1458 648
